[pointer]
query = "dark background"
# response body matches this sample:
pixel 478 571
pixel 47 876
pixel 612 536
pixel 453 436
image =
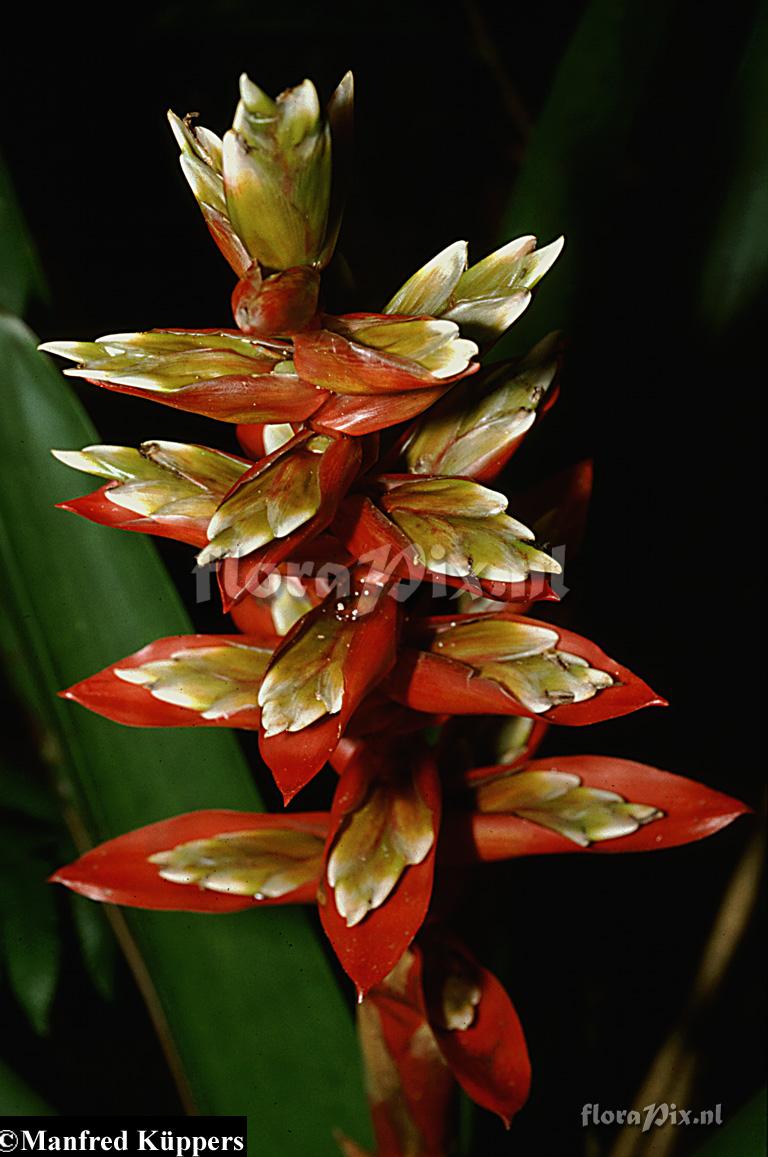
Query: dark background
pixel 627 127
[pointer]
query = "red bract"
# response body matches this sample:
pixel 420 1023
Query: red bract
pixel 97 507
pixel 256 398
pixel 475 429
pixel 308 576
pixel 120 872
pixel 410 1108
pixel 690 810
pixel 369 618
pixel 333 543
pixel 338 467
pixel 359 414
pixel 423 679
pixel 331 361
pixel 437 1018
pixel 368 534
pixel 369 949
pixel 116 697
pixel 488 1056
pixel 283 303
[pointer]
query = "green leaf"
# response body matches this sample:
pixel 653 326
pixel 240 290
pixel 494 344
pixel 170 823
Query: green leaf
pixel 736 269
pixel 29 926
pixel 22 792
pixel 741 1136
pixel 242 1000
pixel 97 944
pixel 16 1097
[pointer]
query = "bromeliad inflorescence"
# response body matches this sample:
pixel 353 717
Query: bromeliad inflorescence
pixel 379 587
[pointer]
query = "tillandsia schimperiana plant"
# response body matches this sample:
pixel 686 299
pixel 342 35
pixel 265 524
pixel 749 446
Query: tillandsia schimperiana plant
pixel 380 593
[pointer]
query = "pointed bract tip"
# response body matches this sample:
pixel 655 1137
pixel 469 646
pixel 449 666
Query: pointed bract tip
pixel 228 601
pixel 61 349
pixel 177 128
pixel 67 457
pixel 253 97
pixel 343 95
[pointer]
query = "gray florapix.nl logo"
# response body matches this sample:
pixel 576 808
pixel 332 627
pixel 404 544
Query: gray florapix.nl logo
pixel 651 1115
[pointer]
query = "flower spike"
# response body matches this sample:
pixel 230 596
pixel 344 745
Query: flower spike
pixel 333 543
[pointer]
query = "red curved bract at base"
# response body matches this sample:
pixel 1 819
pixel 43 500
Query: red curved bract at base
pixel 418 1096
pixel 489 1058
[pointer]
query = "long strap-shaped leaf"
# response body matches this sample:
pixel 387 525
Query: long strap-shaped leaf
pixel 245 998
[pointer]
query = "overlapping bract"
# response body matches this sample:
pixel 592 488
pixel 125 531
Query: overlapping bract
pixel 332 539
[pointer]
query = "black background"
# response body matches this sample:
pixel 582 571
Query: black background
pixel 598 953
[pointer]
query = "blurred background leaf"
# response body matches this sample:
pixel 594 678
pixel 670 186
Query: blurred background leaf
pixel 736 264
pixel 29 936
pixel 20 272
pixel 743 1136
pixel 16 1097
